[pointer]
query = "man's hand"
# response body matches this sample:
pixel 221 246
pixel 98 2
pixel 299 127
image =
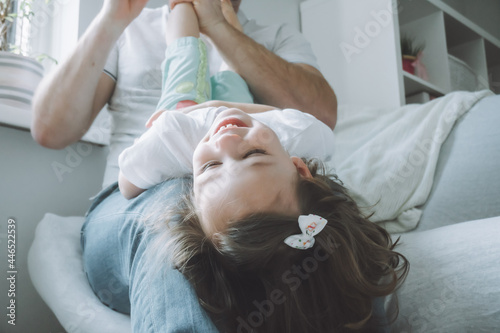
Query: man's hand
pixel 122 12
pixel 172 3
pixel 69 98
pixel 271 79
pixel 209 14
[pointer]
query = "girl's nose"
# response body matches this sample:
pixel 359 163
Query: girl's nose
pixel 231 144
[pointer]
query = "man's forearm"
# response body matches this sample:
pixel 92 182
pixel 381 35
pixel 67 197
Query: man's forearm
pixel 272 80
pixel 64 103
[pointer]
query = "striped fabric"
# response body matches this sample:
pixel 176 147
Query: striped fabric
pixel 19 76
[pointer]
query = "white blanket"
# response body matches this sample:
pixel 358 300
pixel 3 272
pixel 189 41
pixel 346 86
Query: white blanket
pixel 387 157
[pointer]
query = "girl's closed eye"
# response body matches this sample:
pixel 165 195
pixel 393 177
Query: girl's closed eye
pixel 210 164
pixel 255 151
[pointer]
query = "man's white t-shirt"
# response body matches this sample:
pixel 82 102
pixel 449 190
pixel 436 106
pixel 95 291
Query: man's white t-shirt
pixel 135 65
pixel 166 149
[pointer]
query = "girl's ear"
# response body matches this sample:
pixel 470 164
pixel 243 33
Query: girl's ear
pixel 301 167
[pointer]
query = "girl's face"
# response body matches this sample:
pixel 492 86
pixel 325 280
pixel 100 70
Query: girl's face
pixel 239 168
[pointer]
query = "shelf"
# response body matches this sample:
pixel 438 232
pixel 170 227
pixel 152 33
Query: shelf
pixel 458 16
pixel 20 118
pixel 357 44
pixel 413 84
pixel 457 33
pixel 473 54
pixel 409 10
pixel 431 30
pixel 492 54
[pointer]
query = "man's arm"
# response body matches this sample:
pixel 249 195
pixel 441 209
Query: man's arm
pixel 272 80
pixel 67 101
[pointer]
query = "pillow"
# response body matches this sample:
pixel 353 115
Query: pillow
pixel 56 248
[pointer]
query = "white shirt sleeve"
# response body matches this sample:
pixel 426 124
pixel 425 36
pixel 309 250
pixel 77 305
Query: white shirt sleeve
pixel 301 134
pixel 111 66
pixel 166 149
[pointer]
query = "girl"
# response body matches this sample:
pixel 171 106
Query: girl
pixel 270 242
pixel 165 151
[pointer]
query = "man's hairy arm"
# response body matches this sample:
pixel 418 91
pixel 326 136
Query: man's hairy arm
pixel 68 100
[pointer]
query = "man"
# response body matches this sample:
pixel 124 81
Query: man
pixel 117 62
pixel 68 101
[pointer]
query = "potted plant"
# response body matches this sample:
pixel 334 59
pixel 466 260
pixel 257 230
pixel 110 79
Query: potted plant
pixel 20 73
pixel 412 53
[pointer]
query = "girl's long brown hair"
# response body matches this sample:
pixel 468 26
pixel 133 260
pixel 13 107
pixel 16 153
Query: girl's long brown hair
pixel 249 280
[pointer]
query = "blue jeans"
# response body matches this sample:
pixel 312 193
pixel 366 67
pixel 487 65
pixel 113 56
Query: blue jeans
pixel 114 243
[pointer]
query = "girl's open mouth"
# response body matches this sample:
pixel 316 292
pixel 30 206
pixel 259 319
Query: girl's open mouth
pixel 229 123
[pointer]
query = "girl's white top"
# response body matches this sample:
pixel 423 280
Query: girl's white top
pixel 135 65
pixel 166 149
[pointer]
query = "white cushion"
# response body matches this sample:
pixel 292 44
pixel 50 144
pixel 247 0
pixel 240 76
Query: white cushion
pixel 56 270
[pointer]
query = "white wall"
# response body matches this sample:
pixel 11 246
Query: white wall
pixel 273 11
pixel 29 188
pixel 264 11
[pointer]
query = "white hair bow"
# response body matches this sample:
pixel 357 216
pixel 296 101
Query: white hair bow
pixel 310 225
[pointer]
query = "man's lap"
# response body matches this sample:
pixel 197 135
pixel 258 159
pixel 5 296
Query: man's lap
pixel 118 269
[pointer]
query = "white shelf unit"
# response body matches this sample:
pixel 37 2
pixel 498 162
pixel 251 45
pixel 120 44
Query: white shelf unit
pixel 358 46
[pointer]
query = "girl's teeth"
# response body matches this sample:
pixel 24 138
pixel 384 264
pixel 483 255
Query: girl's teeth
pixel 227 126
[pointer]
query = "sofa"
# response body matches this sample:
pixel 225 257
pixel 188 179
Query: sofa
pixel 453 248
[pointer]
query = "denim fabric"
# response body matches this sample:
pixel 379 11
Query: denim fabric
pixel 114 242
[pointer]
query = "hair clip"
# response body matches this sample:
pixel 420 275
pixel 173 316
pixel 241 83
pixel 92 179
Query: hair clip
pixel 310 225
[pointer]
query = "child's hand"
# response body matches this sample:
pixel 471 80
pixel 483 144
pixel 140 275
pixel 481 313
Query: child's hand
pixel 128 189
pixel 122 12
pixel 155 116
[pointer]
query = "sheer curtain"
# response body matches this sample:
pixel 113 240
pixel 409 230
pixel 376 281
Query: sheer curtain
pixel 46 29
